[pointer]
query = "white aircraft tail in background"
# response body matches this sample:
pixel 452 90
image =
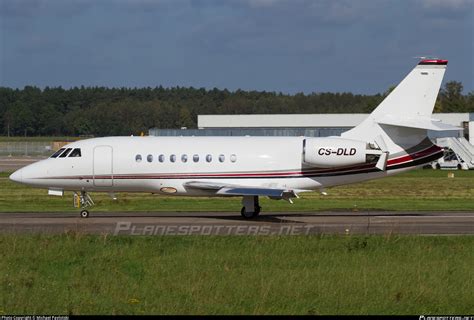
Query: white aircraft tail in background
pixel 392 139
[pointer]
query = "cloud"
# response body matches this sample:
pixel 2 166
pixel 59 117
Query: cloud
pixel 447 4
pixel 263 3
pixel 447 9
pixel 287 45
pixel 34 9
pixel 20 8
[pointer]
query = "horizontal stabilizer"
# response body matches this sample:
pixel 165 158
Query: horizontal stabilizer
pixel 416 122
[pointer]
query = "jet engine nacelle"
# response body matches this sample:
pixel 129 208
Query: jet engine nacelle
pixel 336 152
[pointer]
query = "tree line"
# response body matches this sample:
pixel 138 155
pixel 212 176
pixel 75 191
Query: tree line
pixel 101 111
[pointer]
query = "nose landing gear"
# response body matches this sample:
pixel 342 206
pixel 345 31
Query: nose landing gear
pixel 83 200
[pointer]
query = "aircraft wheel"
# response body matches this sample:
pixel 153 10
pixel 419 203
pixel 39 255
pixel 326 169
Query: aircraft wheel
pixel 250 215
pixel 84 214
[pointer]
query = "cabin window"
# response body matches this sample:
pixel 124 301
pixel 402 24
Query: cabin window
pixel 221 158
pixel 57 153
pixel 233 158
pixel 75 153
pixel 149 158
pixel 138 158
pixel 173 158
pixel 184 158
pixel 208 158
pixel 161 158
pixel 196 158
pixel 65 153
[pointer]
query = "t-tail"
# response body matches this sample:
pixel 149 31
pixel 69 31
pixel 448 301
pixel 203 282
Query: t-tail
pixel 400 123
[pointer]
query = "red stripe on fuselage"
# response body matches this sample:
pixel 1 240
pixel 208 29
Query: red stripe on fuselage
pixel 413 156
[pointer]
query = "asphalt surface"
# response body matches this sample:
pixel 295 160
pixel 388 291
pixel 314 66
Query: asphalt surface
pixel 10 164
pixel 226 223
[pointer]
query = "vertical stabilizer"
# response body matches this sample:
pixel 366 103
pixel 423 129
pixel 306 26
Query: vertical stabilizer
pixel 403 117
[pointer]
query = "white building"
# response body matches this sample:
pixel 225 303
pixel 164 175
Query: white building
pixel 333 124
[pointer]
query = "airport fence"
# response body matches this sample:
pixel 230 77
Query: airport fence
pixel 27 148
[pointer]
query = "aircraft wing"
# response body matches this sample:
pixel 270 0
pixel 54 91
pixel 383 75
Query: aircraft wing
pixel 238 190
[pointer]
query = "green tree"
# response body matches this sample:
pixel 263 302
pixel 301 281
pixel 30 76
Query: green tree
pixel 451 98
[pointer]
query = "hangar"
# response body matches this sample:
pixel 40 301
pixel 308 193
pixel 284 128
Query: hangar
pixel 311 125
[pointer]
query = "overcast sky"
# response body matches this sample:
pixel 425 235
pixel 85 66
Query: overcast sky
pixel 274 45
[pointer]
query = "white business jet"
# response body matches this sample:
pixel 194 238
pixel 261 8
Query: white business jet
pixel 391 140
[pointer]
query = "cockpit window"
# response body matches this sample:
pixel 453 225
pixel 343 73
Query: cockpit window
pixel 65 153
pixel 57 153
pixel 75 153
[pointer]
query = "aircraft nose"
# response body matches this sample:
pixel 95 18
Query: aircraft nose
pixel 17 176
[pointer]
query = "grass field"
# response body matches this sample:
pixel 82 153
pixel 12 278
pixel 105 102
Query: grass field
pixel 415 190
pixel 79 274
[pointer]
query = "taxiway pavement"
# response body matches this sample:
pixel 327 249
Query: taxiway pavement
pixel 229 223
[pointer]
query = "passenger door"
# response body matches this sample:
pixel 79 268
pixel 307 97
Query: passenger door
pixel 102 167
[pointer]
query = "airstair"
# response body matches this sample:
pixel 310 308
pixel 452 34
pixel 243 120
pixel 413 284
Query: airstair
pixel 466 143
pixel 461 147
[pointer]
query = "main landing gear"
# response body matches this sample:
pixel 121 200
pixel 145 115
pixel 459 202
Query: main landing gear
pixel 251 208
pixel 83 200
pixel 84 213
